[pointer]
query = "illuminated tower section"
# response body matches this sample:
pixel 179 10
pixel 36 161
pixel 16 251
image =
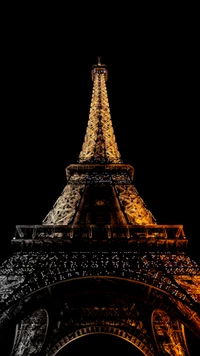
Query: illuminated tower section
pixel 100 144
pixel 99 173
pixel 99 262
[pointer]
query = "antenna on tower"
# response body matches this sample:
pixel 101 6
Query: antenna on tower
pixel 99 61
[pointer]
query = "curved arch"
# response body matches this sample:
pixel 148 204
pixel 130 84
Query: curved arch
pixel 75 279
pixel 102 330
pixel 147 291
pixel 145 269
pixel 136 291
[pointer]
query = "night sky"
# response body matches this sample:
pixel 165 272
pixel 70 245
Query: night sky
pixel 153 72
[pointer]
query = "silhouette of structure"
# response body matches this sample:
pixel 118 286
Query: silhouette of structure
pixel 99 262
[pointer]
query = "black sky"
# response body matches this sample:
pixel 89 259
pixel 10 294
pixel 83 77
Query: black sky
pixel 153 79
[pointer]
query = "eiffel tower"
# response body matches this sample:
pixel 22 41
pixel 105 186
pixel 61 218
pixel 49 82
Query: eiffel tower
pixel 99 263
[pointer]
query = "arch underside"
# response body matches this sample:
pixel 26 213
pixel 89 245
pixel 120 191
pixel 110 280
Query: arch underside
pixel 25 273
pixel 100 329
pixel 133 311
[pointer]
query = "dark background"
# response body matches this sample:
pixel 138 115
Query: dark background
pixel 153 89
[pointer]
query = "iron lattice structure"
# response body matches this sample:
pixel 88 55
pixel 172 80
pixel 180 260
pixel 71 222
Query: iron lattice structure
pixel 99 262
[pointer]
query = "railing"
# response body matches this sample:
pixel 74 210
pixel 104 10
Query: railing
pixel 153 238
pixel 136 232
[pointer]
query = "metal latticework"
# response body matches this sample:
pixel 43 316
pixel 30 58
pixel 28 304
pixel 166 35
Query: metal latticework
pixel 99 263
pixel 125 198
pixel 100 144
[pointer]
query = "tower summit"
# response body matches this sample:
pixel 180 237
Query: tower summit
pixel 99 262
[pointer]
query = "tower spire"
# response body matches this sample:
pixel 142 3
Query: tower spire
pixel 99 61
pixel 100 143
